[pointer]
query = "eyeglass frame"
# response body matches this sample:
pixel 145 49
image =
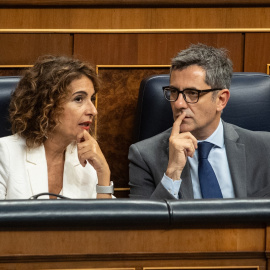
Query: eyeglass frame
pixel 182 92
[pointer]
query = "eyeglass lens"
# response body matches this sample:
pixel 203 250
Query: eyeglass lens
pixel 188 94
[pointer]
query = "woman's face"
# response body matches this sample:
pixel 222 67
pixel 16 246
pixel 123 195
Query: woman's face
pixel 79 110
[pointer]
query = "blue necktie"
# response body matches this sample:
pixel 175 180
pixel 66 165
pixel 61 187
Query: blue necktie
pixel 208 180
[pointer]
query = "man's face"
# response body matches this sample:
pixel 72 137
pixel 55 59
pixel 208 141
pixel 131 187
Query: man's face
pixel 202 118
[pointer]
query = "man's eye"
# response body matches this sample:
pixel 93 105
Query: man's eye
pixel 93 98
pixel 173 91
pixel 191 93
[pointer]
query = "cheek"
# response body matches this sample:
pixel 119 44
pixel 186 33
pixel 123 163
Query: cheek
pixel 174 110
pixel 70 114
pixel 66 118
pixel 206 113
pixel 68 121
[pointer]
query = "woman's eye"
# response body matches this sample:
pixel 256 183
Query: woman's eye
pixel 78 99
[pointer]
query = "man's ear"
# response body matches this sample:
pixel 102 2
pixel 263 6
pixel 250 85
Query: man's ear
pixel 222 99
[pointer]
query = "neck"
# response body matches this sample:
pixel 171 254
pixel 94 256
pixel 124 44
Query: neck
pixel 55 148
pixel 206 133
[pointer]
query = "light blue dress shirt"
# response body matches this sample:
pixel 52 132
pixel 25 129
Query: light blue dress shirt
pixel 218 160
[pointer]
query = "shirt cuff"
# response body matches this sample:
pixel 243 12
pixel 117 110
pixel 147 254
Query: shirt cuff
pixel 172 186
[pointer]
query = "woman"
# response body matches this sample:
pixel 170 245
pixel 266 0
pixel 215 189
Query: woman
pixel 51 112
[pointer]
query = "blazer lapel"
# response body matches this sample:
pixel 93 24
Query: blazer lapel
pixel 37 170
pixel 186 189
pixel 236 159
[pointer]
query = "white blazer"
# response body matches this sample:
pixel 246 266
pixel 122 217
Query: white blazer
pixel 23 172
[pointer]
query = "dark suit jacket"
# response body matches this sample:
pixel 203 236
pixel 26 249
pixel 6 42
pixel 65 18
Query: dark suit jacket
pixel 248 155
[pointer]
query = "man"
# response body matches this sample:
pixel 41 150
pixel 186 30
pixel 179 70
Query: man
pixel 172 165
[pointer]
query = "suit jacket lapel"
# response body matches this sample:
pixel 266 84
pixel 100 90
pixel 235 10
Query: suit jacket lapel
pixel 37 170
pixel 236 159
pixel 186 189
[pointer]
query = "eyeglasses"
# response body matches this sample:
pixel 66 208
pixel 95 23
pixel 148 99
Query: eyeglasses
pixel 190 95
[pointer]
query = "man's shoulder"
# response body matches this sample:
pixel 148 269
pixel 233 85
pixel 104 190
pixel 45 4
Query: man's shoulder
pixel 156 141
pixel 242 134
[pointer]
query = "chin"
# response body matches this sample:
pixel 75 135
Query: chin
pixel 186 128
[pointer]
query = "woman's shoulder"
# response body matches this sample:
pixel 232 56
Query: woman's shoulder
pixel 13 141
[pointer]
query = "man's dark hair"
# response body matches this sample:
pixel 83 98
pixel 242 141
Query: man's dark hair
pixel 215 62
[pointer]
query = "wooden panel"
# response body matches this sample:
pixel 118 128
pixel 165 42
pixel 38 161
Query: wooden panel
pixel 160 48
pixel 11 71
pixel 150 49
pixel 84 264
pixel 108 263
pixel 268 241
pixel 110 268
pixel 203 268
pixel 257 52
pixel 117 101
pixel 130 242
pixel 107 49
pixel 147 3
pixel 205 248
pixel 134 18
pixel 16 49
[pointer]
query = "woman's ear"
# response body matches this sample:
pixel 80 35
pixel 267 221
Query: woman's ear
pixel 222 99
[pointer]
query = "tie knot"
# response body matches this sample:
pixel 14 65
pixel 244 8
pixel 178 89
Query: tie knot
pixel 204 149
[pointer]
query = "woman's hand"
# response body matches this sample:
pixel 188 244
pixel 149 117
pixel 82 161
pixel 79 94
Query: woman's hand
pixel 89 150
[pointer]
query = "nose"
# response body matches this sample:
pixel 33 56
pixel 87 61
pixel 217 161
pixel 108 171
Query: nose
pixel 180 102
pixel 91 108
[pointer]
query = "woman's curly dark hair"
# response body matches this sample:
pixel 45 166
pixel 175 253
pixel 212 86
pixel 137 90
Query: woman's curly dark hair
pixel 36 103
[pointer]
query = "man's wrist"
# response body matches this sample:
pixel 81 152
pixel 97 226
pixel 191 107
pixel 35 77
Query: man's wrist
pixel 171 186
pixel 174 174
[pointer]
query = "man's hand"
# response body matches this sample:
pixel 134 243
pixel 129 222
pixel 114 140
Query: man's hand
pixel 181 145
pixel 89 150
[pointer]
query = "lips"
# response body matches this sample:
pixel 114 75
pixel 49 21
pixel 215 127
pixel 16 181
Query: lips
pixel 85 125
pixel 187 116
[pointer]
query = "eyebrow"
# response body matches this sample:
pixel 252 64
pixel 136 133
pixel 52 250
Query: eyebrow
pixel 188 88
pixel 80 92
